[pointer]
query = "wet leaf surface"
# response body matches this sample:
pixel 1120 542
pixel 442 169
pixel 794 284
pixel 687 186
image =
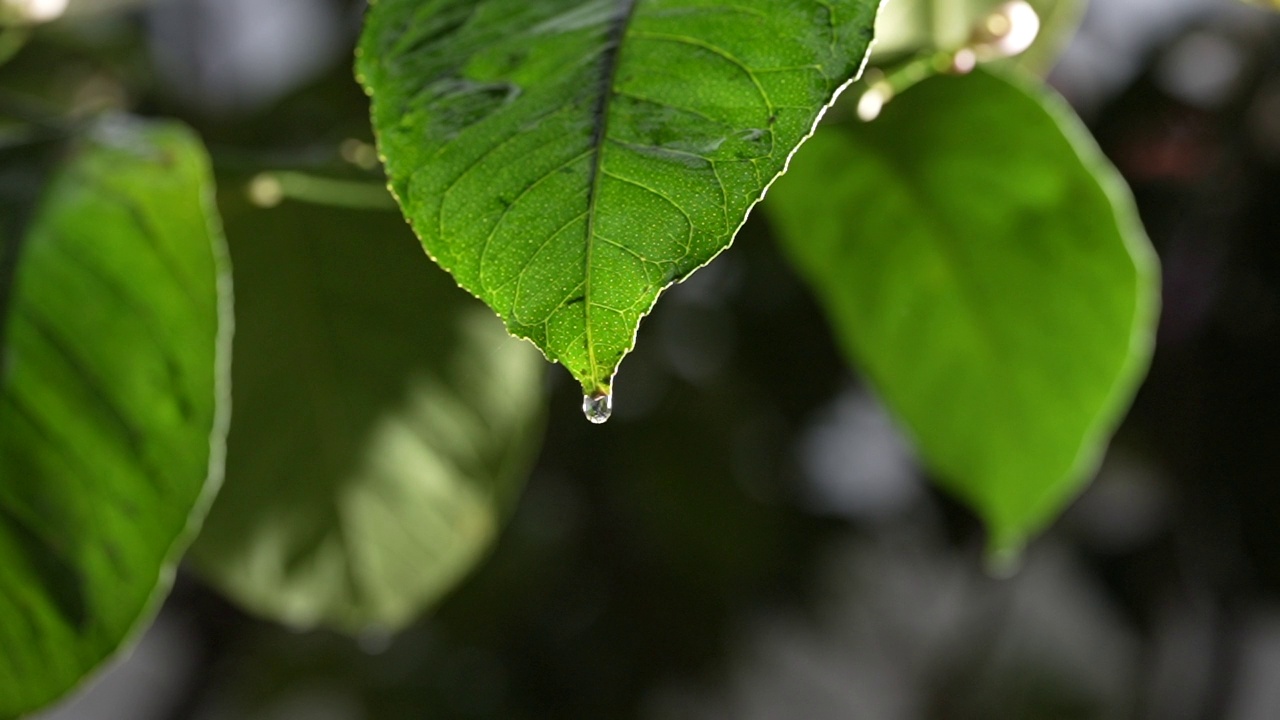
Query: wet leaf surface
pixel 567 161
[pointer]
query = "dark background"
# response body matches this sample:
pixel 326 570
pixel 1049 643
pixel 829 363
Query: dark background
pixel 750 537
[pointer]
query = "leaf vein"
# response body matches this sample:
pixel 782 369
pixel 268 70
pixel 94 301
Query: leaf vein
pixel 715 49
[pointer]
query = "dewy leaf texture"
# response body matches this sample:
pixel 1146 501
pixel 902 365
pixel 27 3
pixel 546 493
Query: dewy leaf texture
pixel 993 284
pixel 567 160
pixel 112 410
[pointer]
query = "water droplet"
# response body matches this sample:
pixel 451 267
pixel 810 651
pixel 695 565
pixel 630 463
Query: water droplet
pixel 597 407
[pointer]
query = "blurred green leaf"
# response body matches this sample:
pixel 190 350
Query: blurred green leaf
pixel 989 275
pixel 566 160
pixel 111 368
pixel 384 423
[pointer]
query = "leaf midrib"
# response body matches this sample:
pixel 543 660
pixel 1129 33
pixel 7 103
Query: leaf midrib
pixel 609 73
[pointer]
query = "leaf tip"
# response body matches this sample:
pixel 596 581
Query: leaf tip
pixel 1005 555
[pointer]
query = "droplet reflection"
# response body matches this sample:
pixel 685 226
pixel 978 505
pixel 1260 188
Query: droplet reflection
pixel 597 407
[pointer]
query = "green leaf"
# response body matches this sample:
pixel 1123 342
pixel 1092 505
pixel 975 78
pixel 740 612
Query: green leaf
pixel 984 266
pixel 112 363
pixel 567 160
pixel 384 423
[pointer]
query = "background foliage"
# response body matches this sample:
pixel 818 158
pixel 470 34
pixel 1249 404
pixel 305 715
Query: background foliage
pixel 750 537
